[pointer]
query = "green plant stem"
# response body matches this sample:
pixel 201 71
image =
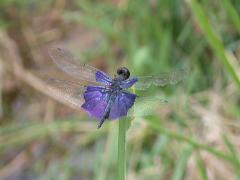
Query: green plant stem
pixel 232 13
pixel 122 149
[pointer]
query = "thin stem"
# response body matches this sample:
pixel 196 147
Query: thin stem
pixel 122 149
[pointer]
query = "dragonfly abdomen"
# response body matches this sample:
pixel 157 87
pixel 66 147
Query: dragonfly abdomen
pixel 107 110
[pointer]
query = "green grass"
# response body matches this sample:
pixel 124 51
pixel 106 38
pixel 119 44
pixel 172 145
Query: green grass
pixel 18 135
pixel 149 37
pixel 232 13
pixel 214 40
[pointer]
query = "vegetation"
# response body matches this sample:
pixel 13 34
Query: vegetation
pixel 194 136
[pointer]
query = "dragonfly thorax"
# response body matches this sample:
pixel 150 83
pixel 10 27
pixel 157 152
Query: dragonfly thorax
pixel 115 86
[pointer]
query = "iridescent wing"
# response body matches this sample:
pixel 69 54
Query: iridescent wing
pixel 163 79
pixel 70 92
pixel 96 101
pixel 66 62
pixel 123 102
pixel 128 83
pixel 144 106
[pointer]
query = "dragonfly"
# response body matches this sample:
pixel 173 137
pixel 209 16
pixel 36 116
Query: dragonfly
pixel 105 97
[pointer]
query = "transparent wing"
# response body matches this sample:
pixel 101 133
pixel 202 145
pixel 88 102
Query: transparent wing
pixel 163 79
pixel 67 91
pixel 66 62
pixel 144 106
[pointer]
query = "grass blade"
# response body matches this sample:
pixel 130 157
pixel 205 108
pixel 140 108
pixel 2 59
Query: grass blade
pixel 156 126
pixel 232 13
pixel 229 63
pixel 201 167
pixel 233 153
pixel 181 163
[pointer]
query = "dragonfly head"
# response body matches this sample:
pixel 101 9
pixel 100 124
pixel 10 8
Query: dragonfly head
pixel 123 73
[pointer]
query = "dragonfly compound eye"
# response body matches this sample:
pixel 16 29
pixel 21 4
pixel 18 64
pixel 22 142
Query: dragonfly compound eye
pixel 123 72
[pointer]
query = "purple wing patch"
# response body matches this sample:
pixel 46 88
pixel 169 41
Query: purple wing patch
pixel 103 78
pixel 123 102
pixel 96 99
pixel 128 83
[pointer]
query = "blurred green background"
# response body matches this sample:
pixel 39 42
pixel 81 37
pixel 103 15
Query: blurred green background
pixel 194 136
